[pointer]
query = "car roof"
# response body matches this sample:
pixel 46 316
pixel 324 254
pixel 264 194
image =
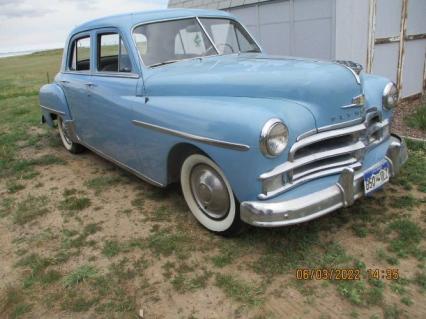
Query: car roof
pixel 128 20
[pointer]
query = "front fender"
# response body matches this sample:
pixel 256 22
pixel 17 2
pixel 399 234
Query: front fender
pixel 230 119
pixel 53 103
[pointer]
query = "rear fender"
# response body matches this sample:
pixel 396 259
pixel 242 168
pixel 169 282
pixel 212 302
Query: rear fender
pixel 53 103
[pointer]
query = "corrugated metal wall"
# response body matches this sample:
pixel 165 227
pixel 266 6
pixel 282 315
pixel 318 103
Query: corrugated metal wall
pixel 387 37
pixel 299 28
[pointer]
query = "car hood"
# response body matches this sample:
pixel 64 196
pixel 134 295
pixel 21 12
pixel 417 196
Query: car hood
pixel 324 88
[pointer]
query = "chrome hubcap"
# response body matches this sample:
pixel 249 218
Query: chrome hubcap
pixel 210 191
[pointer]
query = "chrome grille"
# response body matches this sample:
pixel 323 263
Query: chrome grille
pixel 325 153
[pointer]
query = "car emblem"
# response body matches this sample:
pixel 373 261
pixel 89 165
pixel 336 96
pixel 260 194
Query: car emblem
pixel 357 101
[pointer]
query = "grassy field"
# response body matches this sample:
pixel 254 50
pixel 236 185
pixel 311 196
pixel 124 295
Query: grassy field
pixel 80 238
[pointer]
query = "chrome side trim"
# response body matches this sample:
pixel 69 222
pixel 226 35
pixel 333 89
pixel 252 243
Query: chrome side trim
pixel 52 110
pixel 192 137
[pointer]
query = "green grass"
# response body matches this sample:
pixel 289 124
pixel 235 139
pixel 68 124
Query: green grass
pixel 102 183
pixel 184 283
pixel 39 272
pixel 74 203
pixel 80 275
pixel 239 290
pixel 14 186
pixel 418 118
pixel 166 243
pixel 13 304
pixel 412 172
pixel 407 237
pixel 29 209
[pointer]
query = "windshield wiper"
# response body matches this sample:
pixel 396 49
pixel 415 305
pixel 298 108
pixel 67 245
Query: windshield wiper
pixel 252 50
pixel 163 63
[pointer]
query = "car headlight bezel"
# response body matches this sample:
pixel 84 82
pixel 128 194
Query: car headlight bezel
pixel 390 96
pixel 273 131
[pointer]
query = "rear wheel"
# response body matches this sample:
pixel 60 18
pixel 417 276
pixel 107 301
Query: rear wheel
pixel 66 140
pixel 209 195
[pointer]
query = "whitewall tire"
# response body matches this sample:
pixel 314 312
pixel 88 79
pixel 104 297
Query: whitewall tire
pixel 209 195
pixel 66 140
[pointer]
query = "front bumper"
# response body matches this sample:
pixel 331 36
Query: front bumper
pixel 349 188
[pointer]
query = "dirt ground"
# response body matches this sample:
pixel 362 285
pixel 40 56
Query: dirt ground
pixel 81 238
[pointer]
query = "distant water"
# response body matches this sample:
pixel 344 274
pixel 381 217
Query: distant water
pixel 8 54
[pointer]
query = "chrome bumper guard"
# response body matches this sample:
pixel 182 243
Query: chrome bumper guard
pixel 349 188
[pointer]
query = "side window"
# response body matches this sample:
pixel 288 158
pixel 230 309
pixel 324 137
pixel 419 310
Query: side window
pixel 80 55
pixel 112 54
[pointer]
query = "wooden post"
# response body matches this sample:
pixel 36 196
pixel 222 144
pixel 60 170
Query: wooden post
pixel 371 35
pixel 403 31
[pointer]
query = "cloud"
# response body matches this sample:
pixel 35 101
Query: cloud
pixel 41 24
pixel 83 4
pixel 20 8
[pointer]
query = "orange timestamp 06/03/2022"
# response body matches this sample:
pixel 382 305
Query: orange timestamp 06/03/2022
pixel 346 273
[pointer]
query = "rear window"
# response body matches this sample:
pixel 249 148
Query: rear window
pixel 80 55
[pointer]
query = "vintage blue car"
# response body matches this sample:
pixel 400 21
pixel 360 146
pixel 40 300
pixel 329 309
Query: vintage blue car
pixel 189 96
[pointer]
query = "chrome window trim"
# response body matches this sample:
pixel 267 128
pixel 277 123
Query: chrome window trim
pixel 76 72
pixel 207 35
pixel 192 137
pixel 52 110
pixel 117 74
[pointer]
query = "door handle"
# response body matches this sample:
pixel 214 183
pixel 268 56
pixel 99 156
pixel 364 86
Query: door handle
pixel 90 84
pixel 64 82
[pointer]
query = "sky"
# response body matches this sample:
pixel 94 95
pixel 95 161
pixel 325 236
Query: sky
pixel 44 24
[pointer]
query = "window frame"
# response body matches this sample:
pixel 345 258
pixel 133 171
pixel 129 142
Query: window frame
pixel 72 49
pixel 121 42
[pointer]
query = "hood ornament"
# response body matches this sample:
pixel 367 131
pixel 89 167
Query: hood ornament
pixel 357 101
pixel 356 67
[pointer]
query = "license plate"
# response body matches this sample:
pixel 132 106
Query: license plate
pixel 376 177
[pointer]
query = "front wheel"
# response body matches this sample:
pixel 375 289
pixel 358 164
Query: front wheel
pixel 209 195
pixel 72 147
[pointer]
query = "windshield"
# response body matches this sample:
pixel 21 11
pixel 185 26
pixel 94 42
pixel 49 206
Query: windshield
pixel 170 41
pixel 229 36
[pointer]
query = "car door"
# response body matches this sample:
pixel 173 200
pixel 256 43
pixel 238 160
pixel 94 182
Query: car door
pixel 112 98
pixel 76 80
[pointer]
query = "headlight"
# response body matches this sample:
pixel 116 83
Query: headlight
pixel 390 96
pixel 273 138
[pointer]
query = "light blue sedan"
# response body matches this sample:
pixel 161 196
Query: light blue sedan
pixel 189 96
